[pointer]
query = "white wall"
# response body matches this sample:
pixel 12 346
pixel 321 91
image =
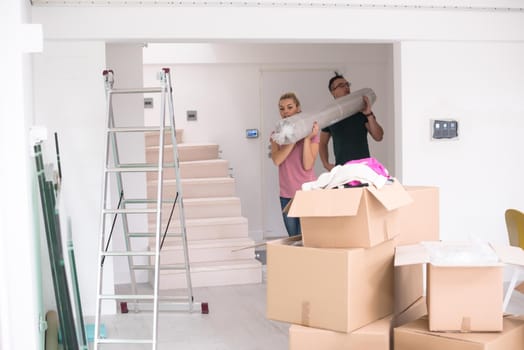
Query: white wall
pixel 69 99
pixel 223 81
pixel 20 294
pixel 480 174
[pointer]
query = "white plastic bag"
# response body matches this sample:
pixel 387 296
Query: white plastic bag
pixel 292 129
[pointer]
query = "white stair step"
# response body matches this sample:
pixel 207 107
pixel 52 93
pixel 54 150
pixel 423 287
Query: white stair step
pixel 151 138
pixel 202 168
pixel 209 250
pixel 221 273
pixel 210 228
pixel 195 188
pixel 201 208
pixel 186 152
pixel 196 169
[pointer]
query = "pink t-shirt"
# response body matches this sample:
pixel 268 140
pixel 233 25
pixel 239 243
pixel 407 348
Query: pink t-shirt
pixel 291 173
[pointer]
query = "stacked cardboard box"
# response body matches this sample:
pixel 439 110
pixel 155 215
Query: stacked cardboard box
pixel 464 297
pixel 416 335
pixel 464 303
pixel 337 285
pixel 334 289
pixel 339 290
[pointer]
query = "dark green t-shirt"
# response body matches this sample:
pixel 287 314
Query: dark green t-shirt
pixel 350 138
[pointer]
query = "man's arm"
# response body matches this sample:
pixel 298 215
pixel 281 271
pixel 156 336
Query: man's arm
pixel 373 127
pixel 323 150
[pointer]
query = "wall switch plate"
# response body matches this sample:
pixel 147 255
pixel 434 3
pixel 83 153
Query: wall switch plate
pixel 148 102
pixel 191 115
pixel 251 133
pixel 444 129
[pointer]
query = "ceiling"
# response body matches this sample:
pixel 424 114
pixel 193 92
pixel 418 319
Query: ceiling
pixel 452 5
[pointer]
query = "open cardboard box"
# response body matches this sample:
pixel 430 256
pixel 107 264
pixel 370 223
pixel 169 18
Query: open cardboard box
pixel 334 289
pixel 349 217
pixel 465 296
pixel 416 336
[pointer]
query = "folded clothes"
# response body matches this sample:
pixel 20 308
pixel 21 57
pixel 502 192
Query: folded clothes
pixel 342 174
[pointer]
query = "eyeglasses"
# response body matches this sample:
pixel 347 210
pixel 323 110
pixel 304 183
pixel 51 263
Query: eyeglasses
pixel 341 85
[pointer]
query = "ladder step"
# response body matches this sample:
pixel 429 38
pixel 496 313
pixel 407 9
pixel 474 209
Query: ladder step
pixel 128 253
pixel 132 169
pixel 185 305
pixel 170 298
pixel 143 201
pixel 162 267
pixel 135 91
pixel 166 165
pixel 126 296
pixel 124 341
pixel 138 129
pixel 129 211
pixel 150 234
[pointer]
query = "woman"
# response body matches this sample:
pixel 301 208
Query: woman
pixel 295 161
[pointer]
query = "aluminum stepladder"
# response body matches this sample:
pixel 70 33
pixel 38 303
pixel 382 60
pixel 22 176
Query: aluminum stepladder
pixel 113 168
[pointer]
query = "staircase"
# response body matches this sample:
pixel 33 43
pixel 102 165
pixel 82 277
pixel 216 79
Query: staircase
pixel 214 223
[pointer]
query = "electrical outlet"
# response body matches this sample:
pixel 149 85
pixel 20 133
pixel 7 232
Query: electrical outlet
pixel 444 129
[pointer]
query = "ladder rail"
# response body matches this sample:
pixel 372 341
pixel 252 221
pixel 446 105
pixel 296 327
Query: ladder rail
pixel 111 150
pixel 101 241
pixel 156 284
pixel 179 191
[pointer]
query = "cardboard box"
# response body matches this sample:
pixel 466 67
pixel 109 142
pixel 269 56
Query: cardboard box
pixel 420 220
pixel 409 286
pixel 412 313
pixel 349 217
pixel 375 336
pixel 335 289
pixel 416 336
pixel 464 296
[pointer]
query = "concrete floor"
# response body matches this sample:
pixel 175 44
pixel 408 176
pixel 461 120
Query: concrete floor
pixel 236 321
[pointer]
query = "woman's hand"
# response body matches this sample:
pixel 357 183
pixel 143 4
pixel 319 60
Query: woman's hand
pixel 314 130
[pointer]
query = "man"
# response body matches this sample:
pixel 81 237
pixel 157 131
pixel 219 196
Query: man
pixel 350 135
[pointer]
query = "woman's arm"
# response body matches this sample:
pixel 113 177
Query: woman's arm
pixel 310 151
pixel 279 153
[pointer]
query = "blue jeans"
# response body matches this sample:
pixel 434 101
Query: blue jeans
pixel 292 224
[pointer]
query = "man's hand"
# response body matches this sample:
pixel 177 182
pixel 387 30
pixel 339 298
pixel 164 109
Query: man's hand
pixel 367 105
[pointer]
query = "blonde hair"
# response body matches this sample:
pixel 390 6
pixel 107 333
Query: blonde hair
pixel 292 96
